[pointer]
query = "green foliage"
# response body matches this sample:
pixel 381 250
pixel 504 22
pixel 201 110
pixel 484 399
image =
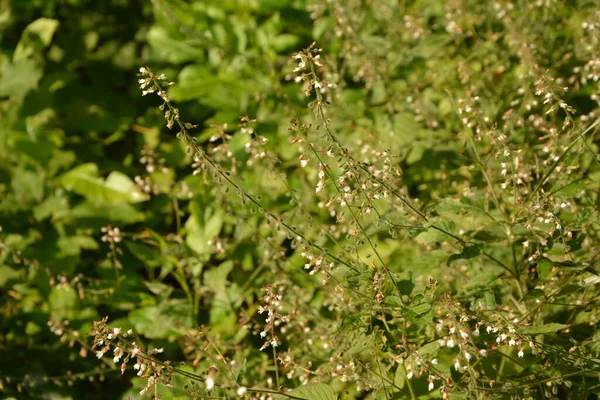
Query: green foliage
pixel 300 199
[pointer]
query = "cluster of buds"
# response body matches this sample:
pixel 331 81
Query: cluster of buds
pixel 308 62
pixel 110 234
pixel 150 83
pixel 272 306
pixel 255 146
pixel 314 262
pixel 123 351
pixel 152 160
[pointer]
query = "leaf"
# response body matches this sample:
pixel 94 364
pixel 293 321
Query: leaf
pixel 400 376
pixel 313 391
pixel 19 78
pixel 36 36
pixel 216 278
pixel 7 274
pixel 118 187
pixel 202 226
pixel 174 51
pixel 533 294
pixel 99 214
pixel 161 321
pixel 150 256
pixel 547 328
pixel 417 313
pixel 468 251
pixel 27 186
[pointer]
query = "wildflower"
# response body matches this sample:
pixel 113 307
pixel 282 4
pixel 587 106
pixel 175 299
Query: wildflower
pixel 242 391
pixel 118 353
pixel 210 383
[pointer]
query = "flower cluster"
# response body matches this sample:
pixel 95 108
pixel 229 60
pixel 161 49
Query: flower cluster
pixel 107 340
pixel 273 307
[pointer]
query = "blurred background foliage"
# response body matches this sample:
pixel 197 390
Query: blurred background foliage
pixel 81 149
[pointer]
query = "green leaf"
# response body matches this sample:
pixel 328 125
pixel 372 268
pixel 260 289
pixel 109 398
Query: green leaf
pixel 36 36
pixel 313 391
pixel 533 294
pixel 202 226
pixel 417 313
pixel 540 330
pixel 216 278
pixel 101 213
pixel 175 51
pixel 468 251
pixel 27 186
pixel 400 376
pixel 6 274
pixel 118 187
pixel 19 78
pixel 160 321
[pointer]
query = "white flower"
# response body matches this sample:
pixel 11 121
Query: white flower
pixel 116 331
pixel 99 354
pixel 512 342
pixel 241 391
pixel 210 383
pixel 457 365
pixel 450 343
pixel 410 375
pixel 521 354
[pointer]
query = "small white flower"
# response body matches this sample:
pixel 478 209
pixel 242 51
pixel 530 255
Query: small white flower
pixel 450 343
pixel 99 354
pixel 521 354
pixel 410 375
pixel 210 383
pixel 457 365
pixel 241 391
pixel 431 386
